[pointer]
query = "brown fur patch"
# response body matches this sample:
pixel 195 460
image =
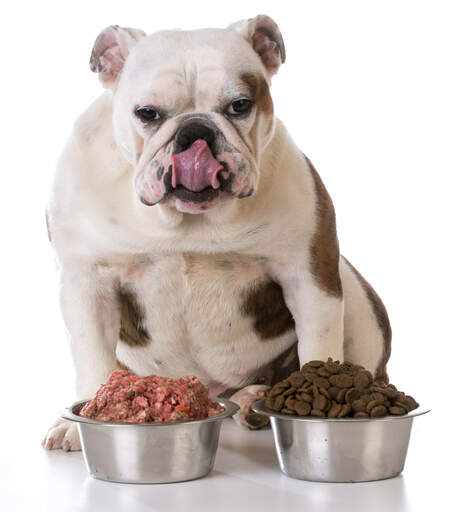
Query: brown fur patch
pixel 240 268
pixel 121 366
pixel 324 250
pixel 49 234
pixel 382 320
pixel 224 264
pixel 259 91
pixel 281 367
pixel 132 331
pixel 265 303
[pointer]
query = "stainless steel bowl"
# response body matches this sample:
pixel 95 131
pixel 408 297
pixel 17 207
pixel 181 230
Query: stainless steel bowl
pixel 340 450
pixel 149 453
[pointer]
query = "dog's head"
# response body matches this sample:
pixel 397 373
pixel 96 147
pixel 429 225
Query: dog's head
pixel 192 109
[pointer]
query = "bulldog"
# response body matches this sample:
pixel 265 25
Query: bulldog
pixel 193 236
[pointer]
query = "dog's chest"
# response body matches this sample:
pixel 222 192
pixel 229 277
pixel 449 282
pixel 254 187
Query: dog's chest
pixel 201 314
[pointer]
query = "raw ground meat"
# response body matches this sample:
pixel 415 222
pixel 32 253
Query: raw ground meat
pixel 127 398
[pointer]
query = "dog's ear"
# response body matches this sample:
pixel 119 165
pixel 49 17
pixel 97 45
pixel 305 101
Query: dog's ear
pixel 264 36
pixel 110 50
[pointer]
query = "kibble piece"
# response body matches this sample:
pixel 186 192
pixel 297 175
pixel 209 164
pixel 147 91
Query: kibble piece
pixel 278 389
pixel 379 410
pixel 333 392
pixel 289 391
pixel 316 364
pixel 366 397
pixel 324 392
pixel 362 379
pixel 345 410
pixel 319 414
pixel 346 366
pixel 377 396
pixel 399 403
pixel 390 393
pixel 341 396
pixel 310 376
pixel 410 402
pixel 324 372
pixel 359 405
pixel 397 411
pixel 290 403
pixel 341 381
pixel 269 402
pixel 278 402
pixel 309 368
pixel 321 382
pixel 320 403
pixel 372 404
pixel 303 408
pixel 352 395
pixel 306 389
pixel 332 367
pixel 288 411
pixel 307 397
pixel 334 410
pixel 361 414
pixel 403 403
pixel 297 380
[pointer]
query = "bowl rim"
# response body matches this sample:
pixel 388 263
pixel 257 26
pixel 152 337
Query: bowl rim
pixel 259 407
pixel 231 408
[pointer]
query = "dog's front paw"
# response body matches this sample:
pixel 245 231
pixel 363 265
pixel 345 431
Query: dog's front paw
pixel 245 398
pixel 62 434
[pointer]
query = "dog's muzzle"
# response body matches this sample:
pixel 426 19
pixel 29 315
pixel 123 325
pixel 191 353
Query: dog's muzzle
pixel 194 166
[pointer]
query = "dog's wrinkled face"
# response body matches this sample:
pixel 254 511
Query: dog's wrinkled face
pixel 192 113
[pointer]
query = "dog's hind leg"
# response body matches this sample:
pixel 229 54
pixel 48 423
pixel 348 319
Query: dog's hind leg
pixel 367 331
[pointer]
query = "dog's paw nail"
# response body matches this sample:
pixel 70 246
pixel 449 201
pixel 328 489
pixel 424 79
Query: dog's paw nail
pixel 63 434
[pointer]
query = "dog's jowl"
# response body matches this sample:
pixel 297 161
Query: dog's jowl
pixel 193 237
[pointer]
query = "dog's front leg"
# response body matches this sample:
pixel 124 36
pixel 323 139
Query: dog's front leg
pixel 90 307
pixel 316 306
pixel 91 312
pixel 317 309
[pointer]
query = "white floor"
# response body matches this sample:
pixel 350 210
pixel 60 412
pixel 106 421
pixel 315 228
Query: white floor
pixel 246 476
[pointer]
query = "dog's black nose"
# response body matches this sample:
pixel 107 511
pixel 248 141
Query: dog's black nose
pixel 191 132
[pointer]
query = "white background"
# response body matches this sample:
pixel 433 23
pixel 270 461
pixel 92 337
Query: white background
pixel 365 92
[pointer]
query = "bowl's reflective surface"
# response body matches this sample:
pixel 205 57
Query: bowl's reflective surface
pixel 340 450
pixel 149 452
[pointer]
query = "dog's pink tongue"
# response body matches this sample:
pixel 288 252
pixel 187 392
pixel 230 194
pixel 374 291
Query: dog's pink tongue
pixel 195 168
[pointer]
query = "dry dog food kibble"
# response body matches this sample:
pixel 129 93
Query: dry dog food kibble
pixel 127 398
pixel 333 390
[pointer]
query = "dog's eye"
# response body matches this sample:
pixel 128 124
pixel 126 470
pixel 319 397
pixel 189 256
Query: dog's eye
pixel 147 114
pixel 239 107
